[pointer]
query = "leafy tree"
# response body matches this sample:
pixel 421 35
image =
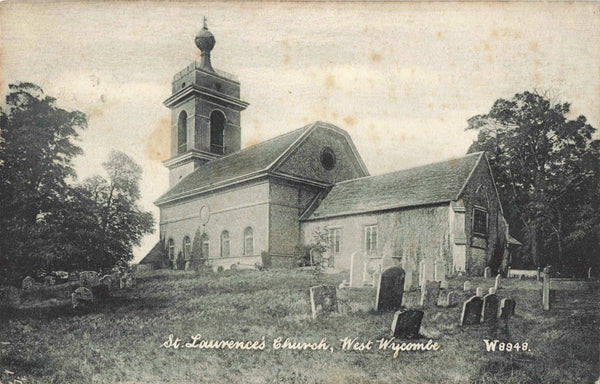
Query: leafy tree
pixel 547 171
pixel 113 202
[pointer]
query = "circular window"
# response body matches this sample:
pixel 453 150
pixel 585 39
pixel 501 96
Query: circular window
pixel 328 158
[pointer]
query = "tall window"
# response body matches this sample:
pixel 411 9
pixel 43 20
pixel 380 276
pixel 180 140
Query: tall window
pixel 480 226
pixel 171 249
pixel 225 244
pixel 182 132
pixel 248 241
pixel 187 247
pixel 335 237
pixel 205 246
pixel 217 131
pixel 371 238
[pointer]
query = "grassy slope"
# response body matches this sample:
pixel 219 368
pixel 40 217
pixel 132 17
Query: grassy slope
pixel 119 341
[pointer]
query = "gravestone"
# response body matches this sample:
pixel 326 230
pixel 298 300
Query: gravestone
pixel 489 312
pixel 390 290
pixel 407 323
pixel 492 291
pixel 444 284
pixel 589 273
pixel 28 283
pixel 452 299
pixel 471 312
pixel 126 281
pixel 89 278
pixel 467 286
pixel 440 270
pixel 497 285
pixel 487 272
pixel 323 300
pixel 357 269
pixel 82 297
pixel 61 276
pixel 49 280
pixel 479 292
pixel 507 308
pixel 427 270
pixel 73 276
pixel 408 277
pixel 546 290
pixel 109 282
pixel 375 278
pixel 430 291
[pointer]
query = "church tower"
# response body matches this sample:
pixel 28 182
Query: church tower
pixel 205 113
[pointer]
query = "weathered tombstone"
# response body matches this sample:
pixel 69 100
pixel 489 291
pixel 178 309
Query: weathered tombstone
pixel 430 291
pixel 439 270
pixel 546 290
pixel 492 291
pixel 408 277
pixel 589 273
pixel 89 278
pixel 323 300
pixel 108 281
pixel 479 292
pixel 188 265
pixel 427 270
pixel 73 276
pixel 81 297
pixel 467 286
pixel 444 284
pixel 390 290
pixel 357 268
pixel 49 280
pixel 452 299
pixel 497 285
pixel 489 312
pixel 61 276
pixel 375 278
pixel 28 283
pixel 507 308
pixel 538 274
pixel 487 272
pixel 407 323
pixel 471 312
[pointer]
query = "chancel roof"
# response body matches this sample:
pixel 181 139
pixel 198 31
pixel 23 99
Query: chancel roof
pixel 425 185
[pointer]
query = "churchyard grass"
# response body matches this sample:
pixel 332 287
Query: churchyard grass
pixel 120 340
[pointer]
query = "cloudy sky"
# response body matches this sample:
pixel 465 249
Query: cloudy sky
pixel 401 78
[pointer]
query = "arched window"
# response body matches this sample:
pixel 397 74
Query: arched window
pixel 205 246
pixel 217 131
pixel 182 132
pixel 225 244
pixel 187 247
pixel 248 241
pixel 171 249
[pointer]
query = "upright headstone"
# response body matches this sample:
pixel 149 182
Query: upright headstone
pixel 408 277
pixel 489 313
pixel 492 291
pixel 427 270
pixel 589 273
pixel 430 291
pixel 390 290
pixel 407 323
pixel 452 299
pixel 471 311
pixel 538 274
pixel 546 290
pixel 479 292
pixel 108 281
pixel 497 285
pixel 81 297
pixel 89 278
pixel 487 272
pixel 375 278
pixel 507 308
pixel 467 286
pixel 444 284
pixel 28 283
pixel 73 276
pixel 440 270
pixel 323 300
pixel 357 268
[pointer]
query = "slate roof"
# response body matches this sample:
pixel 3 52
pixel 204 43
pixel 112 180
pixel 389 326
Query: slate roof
pixel 429 184
pixel 154 256
pixel 242 163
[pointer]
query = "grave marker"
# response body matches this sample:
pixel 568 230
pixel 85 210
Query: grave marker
pixel 546 290
pixel 467 286
pixel 407 323
pixel 497 285
pixel 323 300
pixel 452 299
pixel 390 289
pixel 489 312
pixel 28 283
pixel 427 271
pixel 430 291
pixel 487 272
pixel 479 292
pixel 357 268
pixel 471 312
pixel 507 308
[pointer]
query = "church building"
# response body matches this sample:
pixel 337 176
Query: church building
pixel 230 207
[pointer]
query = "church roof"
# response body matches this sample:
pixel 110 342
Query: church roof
pixel 246 162
pixel 425 185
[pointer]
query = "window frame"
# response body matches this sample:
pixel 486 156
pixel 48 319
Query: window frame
pixel 187 247
pixel 337 235
pixel 368 238
pixel 246 237
pixel 171 249
pixel 223 240
pixel 486 223
pixel 205 239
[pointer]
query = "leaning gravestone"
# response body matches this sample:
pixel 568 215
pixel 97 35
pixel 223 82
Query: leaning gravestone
pixel 81 297
pixel 430 291
pixel 507 308
pixel 390 290
pixel 467 286
pixel 471 312
pixel 357 268
pixel 489 312
pixel 487 272
pixel 407 323
pixel 323 300
pixel 28 283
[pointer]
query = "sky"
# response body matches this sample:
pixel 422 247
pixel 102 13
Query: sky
pixel 401 78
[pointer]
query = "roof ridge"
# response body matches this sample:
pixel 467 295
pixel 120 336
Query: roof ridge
pixel 411 168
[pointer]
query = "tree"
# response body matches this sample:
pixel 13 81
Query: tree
pixel 37 148
pixel 547 172
pixel 113 202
